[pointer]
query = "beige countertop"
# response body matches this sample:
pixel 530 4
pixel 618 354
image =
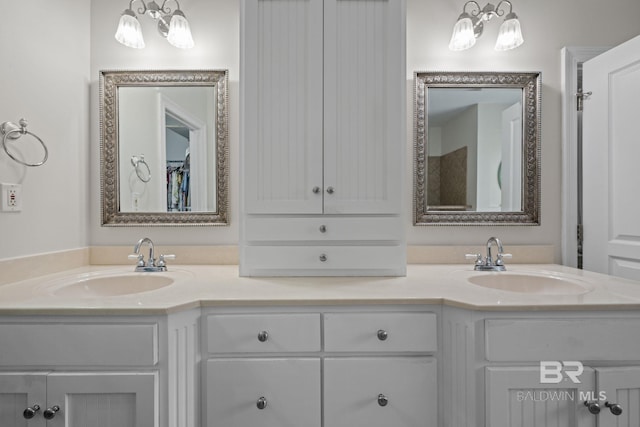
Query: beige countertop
pixel 220 285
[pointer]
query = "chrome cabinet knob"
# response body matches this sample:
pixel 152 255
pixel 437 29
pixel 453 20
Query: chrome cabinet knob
pixel 593 407
pixel 263 336
pixel 323 228
pixel 31 411
pixel 261 403
pixel 330 190
pixel 316 190
pixel 615 408
pixel 49 413
pixel 382 400
pixel 323 257
pixel 382 335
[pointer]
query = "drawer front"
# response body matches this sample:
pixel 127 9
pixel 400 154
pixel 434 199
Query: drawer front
pixel 322 228
pixel 263 333
pixel 40 344
pixel 380 392
pixel 288 390
pixel 314 259
pixel 562 339
pixel 400 332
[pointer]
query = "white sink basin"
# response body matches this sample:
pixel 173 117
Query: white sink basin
pixel 543 284
pixel 110 285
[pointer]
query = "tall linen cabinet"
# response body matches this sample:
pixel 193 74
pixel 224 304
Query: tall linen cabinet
pixel 323 133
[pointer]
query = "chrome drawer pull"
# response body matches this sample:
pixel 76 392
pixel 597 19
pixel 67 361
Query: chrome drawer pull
pixel 615 408
pixel 330 190
pixel 382 334
pixel 593 407
pixel 49 413
pixel 323 228
pixel 316 190
pixel 382 400
pixel 30 412
pixel 262 403
pixel 323 257
pixel 263 336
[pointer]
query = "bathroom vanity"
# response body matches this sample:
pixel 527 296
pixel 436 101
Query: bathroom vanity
pixel 439 347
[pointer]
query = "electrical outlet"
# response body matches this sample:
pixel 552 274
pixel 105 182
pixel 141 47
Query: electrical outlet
pixel 11 197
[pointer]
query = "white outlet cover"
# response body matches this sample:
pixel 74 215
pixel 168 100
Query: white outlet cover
pixel 11 197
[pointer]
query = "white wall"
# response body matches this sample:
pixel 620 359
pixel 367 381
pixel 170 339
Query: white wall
pixel 548 25
pixel 44 77
pixel 215 28
pixel 46 82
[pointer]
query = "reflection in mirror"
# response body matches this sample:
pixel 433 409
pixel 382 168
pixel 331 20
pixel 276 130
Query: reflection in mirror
pixel 164 148
pixel 477 148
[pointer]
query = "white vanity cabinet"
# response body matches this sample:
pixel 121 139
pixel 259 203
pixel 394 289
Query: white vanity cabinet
pixel 323 132
pixel 320 368
pixel 498 374
pixel 108 371
pixel 60 399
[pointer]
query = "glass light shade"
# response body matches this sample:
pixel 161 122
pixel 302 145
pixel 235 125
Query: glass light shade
pixel 463 36
pixel 179 31
pixel 510 34
pixel 129 32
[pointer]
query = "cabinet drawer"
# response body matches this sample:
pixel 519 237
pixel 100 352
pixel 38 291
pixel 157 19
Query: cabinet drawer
pixel 263 333
pixel 289 390
pixel 380 332
pixel 353 389
pixel 313 260
pixel 562 339
pixel 260 229
pixel 45 344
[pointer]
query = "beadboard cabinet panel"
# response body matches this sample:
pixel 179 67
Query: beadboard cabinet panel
pixel 282 85
pixel 364 108
pixel 18 392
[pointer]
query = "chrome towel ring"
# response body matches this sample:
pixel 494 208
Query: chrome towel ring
pixel 10 130
pixel 136 161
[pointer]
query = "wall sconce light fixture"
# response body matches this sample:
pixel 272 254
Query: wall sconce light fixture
pixel 172 25
pixel 470 26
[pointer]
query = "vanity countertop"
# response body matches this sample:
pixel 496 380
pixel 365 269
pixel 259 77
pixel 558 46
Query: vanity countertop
pixel 209 286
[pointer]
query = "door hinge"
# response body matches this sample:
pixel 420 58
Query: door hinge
pixel 581 96
pixel 580 233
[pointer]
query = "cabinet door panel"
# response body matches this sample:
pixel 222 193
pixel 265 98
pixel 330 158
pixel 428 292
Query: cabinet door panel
pixel 282 106
pixel 515 397
pixel 621 386
pixel 18 391
pixel 353 385
pixel 103 399
pixel 290 388
pixel 364 108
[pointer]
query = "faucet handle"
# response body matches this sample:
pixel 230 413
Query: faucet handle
pixel 476 257
pixel 162 258
pixel 139 258
pixel 499 258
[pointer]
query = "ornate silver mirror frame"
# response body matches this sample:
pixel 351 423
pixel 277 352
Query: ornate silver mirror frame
pixel 530 83
pixel 110 82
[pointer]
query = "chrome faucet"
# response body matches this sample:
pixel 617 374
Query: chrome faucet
pixel 487 263
pixel 150 265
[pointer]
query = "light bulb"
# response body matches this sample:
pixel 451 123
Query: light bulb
pixel 129 32
pixel 179 31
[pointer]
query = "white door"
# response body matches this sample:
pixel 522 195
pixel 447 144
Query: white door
pixel 621 389
pixel 511 170
pixel 611 162
pixel 515 397
pixel 281 106
pixel 364 108
pixel 23 397
pixel 104 399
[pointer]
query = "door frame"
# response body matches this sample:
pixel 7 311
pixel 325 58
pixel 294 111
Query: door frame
pixel 572 58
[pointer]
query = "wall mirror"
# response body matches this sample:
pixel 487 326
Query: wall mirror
pixel 477 148
pixel 164 147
